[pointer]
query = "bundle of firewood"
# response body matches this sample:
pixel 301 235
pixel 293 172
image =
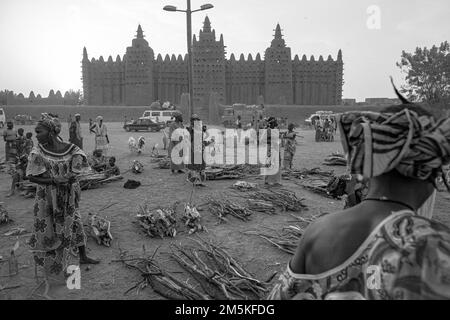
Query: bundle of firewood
pixel 95 180
pixel 261 206
pixel 215 273
pixel 157 222
pixel 335 159
pixel 244 186
pixel 223 207
pixel 219 275
pixel 282 198
pixel 288 239
pixel 4 217
pixel 231 172
pixel 161 281
pixel 307 173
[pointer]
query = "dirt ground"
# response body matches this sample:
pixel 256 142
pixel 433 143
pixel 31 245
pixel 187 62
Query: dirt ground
pixel 109 280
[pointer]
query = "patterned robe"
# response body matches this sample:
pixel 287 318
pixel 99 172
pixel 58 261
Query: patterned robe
pixel 407 257
pixel 101 143
pixel 289 149
pixel 57 222
pixel 10 145
pixel 75 134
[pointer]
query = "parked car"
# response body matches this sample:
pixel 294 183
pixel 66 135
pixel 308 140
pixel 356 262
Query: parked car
pixel 2 118
pixel 144 125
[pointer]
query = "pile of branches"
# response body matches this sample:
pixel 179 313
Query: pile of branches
pixel 161 281
pixel 95 180
pixel 335 159
pixel 100 229
pixel 4 217
pixel 307 173
pixel 159 223
pixel 244 186
pixel 288 239
pixel 220 276
pixel 282 198
pixel 231 172
pixel 224 207
pixel 155 157
pixel 318 181
pixel 217 275
pixel 261 206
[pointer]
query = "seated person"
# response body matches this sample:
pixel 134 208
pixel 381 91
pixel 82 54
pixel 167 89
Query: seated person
pixel 111 168
pixel 98 161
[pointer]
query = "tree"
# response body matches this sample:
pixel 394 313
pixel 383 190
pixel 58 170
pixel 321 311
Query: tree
pixel 427 74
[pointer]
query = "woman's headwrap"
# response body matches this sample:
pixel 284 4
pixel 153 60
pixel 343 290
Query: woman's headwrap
pixel 99 118
pixel 376 143
pixel 50 122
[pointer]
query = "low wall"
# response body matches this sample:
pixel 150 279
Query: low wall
pixel 295 114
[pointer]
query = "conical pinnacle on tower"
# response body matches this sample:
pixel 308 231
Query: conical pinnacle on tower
pixel 278 34
pixel 207 25
pixel 140 33
pixel 85 55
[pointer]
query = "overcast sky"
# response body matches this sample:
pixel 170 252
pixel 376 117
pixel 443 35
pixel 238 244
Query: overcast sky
pixel 42 40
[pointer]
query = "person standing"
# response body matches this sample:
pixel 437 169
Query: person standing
pixel 197 163
pixel 29 144
pixel 238 122
pixel 101 136
pixel 54 166
pixel 273 179
pixel 75 132
pixel 177 124
pixel 289 147
pixel 10 137
pixel 20 142
pixel 18 165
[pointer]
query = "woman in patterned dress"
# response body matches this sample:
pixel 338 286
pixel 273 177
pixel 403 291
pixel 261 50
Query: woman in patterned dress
pixel 385 247
pixel 54 165
pixel 289 147
pixel 101 136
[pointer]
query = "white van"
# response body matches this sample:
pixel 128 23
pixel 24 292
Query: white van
pixel 159 115
pixel 2 118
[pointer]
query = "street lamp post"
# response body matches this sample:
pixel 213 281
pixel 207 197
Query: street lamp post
pixel 189 12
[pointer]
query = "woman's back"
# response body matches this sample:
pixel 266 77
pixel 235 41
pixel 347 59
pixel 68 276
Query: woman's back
pixel 404 257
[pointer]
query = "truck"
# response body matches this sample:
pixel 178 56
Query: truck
pixel 248 114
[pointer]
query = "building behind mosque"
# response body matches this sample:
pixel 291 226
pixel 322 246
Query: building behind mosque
pixel 139 78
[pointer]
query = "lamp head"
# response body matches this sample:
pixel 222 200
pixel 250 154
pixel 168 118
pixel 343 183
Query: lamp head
pixel 206 6
pixel 170 8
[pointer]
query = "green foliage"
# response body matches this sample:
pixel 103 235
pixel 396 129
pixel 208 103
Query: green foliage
pixel 427 74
